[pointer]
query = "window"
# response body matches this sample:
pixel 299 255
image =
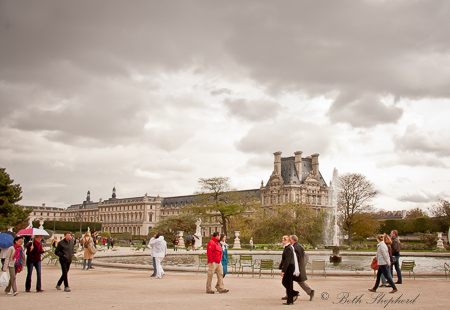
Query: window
pixel 296 198
pixel 286 198
pixel 279 199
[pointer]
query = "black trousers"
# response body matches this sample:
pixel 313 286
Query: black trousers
pixel 65 266
pixel 288 283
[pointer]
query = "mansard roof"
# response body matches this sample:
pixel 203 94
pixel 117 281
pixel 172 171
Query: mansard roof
pixel 288 171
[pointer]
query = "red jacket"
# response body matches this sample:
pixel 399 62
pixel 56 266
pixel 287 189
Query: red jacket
pixel 214 251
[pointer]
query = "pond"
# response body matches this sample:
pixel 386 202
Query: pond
pixel 349 262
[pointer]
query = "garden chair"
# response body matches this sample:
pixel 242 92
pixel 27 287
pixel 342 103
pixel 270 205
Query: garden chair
pixel 266 264
pixel 408 265
pixel 246 261
pixel 233 263
pixel 446 270
pixel 202 261
pixel 318 264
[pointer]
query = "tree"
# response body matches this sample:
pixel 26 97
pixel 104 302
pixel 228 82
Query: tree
pixel 269 225
pixel 416 212
pixel 441 215
pixel 354 197
pixel 365 225
pixel 171 225
pixel 217 198
pixel 11 214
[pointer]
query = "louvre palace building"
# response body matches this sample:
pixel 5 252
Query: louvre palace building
pixel 294 179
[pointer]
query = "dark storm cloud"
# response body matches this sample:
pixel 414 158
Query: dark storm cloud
pixel 421 140
pixel 254 110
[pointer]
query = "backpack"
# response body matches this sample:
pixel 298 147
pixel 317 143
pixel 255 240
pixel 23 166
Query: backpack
pixel 86 243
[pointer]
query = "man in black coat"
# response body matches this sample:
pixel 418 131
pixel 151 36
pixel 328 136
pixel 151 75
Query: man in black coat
pixel 65 252
pixel 301 279
pixel 287 267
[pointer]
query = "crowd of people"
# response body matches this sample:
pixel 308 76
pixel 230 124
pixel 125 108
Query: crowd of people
pixel 292 266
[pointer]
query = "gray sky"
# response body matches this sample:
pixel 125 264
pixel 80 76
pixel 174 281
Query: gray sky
pixel 150 96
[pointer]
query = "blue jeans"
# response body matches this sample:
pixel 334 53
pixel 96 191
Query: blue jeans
pixel 154 267
pixel 397 268
pixel 89 263
pixel 383 270
pixel 30 266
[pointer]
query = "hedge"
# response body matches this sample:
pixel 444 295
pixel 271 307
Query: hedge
pixel 414 225
pixel 69 226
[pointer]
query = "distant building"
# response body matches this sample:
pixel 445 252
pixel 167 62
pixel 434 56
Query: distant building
pixel 391 215
pixel 294 179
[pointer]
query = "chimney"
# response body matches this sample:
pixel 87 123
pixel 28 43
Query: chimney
pixel 277 163
pixel 315 164
pixel 298 164
pixel 43 205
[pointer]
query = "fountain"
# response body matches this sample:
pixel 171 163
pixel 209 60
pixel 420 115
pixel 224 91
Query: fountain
pixel 335 258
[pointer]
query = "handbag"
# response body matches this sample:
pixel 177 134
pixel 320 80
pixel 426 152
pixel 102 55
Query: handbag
pixel 393 259
pixel 92 248
pixel 374 264
pixel 4 279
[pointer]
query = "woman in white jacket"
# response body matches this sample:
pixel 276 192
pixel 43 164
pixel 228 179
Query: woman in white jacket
pixel 383 264
pixel 159 251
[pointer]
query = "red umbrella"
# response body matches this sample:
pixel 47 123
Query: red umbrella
pixel 32 232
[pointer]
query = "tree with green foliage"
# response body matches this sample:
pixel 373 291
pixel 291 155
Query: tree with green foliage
pixel 106 234
pixel 415 213
pixel 11 214
pixel 217 199
pixel 171 225
pixel 269 225
pixel 355 195
pixel 441 215
pixel 365 225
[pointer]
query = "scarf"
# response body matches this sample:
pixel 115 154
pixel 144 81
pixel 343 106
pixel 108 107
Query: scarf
pixel 297 270
pixel 224 245
pixel 38 246
pixel 17 255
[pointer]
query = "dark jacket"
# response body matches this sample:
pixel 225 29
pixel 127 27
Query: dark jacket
pixel 395 246
pixel 65 250
pixel 300 252
pixel 34 255
pixel 287 258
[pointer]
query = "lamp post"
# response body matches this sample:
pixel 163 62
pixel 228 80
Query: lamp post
pixel 80 217
pixel 95 219
pixel 54 216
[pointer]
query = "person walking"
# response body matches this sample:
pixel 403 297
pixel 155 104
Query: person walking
pixel 287 267
pixel 396 256
pixel 15 258
pixel 108 242
pixel 159 251
pixel 301 259
pixel 144 243
pixel 112 243
pixel 251 244
pixel 383 263
pixel 64 251
pixel 87 243
pixel 214 254
pixel 153 259
pixel 3 255
pixel 388 242
pixel 224 246
pixel 175 244
pixel 34 252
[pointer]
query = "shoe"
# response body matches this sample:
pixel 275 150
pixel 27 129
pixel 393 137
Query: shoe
pixel 398 282
pixel 27 291
pixel 8 293
pixel 383 285
pixel 311 296
pixel 372 290
pixel 295 298
pixel 153 275
pixel 224 291
pixel 209 292
pixel 58 287
pixel 393 291
pixel 91 267
pixel 284 298
pixel 40 290
pixel 15 293
pixel 288 303
pixel 67 289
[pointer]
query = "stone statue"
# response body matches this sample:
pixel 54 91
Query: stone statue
pixel 41 224
pixel 198 231
pixel 30 222
pixel 198 235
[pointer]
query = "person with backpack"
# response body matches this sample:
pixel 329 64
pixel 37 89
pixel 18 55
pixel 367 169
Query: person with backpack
pixel 302 259
pixel 88 245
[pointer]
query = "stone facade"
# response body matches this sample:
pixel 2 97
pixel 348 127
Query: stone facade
pixel 294 179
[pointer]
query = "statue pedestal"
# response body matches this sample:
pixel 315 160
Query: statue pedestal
pixel 440 243
pixel 198 242
pixel 181 240
pixel 237 241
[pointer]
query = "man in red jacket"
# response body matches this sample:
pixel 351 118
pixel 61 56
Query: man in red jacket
pixel 214 253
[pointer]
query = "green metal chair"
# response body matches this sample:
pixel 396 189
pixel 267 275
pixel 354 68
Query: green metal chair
pixel 233 263
pixel 318 264
pixel 408 265
pixel 202 261
pixel 246 261
pixel 446 270
pixel 266 264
